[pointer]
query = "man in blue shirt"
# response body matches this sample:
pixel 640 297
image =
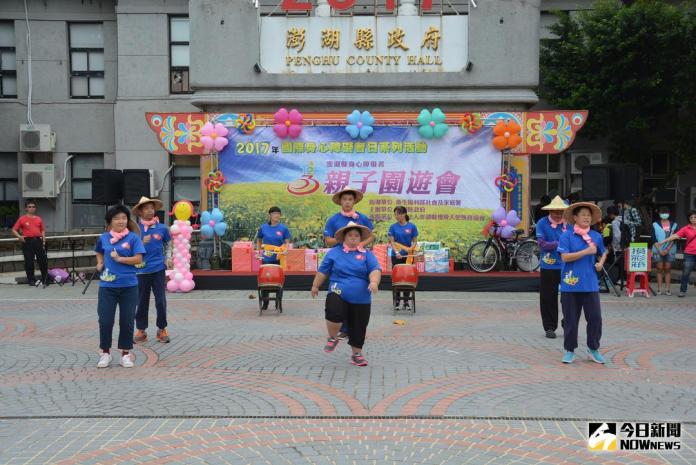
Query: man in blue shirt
pixel 548 232
pixel 346 198
pixel 579 247
pixel 151 273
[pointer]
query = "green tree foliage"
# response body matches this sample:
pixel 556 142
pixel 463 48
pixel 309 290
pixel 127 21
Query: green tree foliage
pixel 634 68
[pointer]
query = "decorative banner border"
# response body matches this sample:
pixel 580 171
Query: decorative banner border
pixel 542 132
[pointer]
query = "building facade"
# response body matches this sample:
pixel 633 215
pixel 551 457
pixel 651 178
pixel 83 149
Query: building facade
pixel 98 66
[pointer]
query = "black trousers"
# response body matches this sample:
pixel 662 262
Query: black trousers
pixel 357 316
pixel 574 303
pixel 33 247
pixel 548 298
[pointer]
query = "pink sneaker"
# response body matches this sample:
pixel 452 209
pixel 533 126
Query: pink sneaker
pixel 358 360
pixel 331 344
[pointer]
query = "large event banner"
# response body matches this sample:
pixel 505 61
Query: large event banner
pixel 447 184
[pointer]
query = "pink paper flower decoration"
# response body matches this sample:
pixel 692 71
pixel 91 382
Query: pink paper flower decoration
pixel 288 124
pixel 214 137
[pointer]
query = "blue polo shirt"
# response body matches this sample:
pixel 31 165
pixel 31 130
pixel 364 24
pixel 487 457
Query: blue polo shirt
pixel 117 274
pixel 153 260
pixel 349 273
pixel 272 235
pixel 549 259
pixel 338 221
pixel 580 275
pixel 403 234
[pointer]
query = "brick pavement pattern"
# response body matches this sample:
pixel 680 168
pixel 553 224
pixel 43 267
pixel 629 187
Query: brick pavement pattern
pixel 469 379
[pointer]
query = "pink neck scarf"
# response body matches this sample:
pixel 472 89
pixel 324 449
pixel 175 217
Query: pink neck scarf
pixel 351 214
pixel 347 249
pixel 115 237
pixel 585 233
pixel 554 224
pixel 149 223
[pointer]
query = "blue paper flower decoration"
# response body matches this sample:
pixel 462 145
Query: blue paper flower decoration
pixel 212 223
pixel 360 124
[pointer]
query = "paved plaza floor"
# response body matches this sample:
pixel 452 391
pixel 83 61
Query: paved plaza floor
pixel 470 378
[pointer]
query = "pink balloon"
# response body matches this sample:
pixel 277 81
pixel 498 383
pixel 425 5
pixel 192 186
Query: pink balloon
pixel 211 222
pixel 187 285
pixel 172 286
pixel 188 275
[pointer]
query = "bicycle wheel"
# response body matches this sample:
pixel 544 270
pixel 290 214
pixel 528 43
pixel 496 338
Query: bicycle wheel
pixel 527 256
pixel 483 257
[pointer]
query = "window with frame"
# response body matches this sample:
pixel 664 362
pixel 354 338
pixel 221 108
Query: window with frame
pixel 9 190
pixel 86 60
pixel 179 36
pixel 8 60
pixel 186 179
pixel 547 176
pixel 85 214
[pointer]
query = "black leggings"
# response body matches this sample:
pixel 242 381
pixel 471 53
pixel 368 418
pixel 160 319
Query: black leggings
pixel 357 316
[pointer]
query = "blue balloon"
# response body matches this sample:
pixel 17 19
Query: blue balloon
pixel 207 231
pixel 217 215
pixel 220 229
pixel 205 217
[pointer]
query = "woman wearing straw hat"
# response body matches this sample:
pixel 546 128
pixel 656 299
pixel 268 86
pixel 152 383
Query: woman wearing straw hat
pixel 548 231
pixel 346 198
pixel 151 273
pixel 578 248
pixel 118 250
pixel 354 276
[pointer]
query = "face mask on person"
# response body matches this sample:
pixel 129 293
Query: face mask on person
pixel 664 216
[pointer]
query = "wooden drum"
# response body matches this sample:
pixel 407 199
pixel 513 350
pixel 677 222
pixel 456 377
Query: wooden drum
pixel 271 276
pixel 405 275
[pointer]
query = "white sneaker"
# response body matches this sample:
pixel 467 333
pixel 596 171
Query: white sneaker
pixel 128 360
pixel 104 360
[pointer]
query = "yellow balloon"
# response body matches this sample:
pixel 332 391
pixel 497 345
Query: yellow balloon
pixel 183 210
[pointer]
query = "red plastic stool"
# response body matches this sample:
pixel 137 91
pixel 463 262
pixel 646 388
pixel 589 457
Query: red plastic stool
pixel 641 276
pixel 642 288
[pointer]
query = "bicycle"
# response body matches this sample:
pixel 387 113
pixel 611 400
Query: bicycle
pixel 484 256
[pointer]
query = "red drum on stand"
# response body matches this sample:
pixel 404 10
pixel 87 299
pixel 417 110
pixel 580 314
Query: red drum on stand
pixel 271 276
pixel 404 275
pixel 271 279
pixel 404 282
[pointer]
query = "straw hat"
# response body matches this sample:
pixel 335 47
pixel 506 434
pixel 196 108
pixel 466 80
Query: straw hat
pixel 143 200
pixel 596 212
pixel 364 231
pixel 556 204
pixel 337 196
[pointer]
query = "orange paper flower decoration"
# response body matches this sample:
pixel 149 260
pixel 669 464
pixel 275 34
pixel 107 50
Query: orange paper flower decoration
pixel 507 135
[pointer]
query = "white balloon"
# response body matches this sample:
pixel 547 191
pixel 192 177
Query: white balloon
pixel 178 277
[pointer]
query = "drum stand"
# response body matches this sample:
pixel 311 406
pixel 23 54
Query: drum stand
pixel 275 294
pixel 396 298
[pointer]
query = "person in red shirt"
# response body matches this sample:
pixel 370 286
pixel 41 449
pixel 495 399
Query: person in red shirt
pixel 688 232
pixel 29 229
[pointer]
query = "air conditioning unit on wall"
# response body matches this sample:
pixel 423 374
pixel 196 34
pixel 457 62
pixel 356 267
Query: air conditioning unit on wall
pixel 38 180
pixel 580 159
pixel 36 138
